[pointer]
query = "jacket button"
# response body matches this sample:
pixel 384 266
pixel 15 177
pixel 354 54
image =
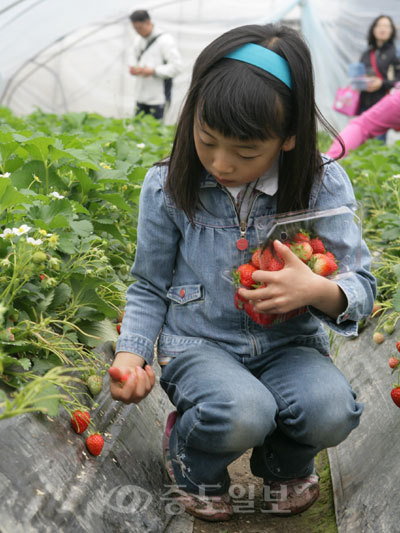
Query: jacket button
pixel 182 293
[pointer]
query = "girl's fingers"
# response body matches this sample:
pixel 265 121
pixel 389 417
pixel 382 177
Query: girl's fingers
pixel 150 372
pixel 142 383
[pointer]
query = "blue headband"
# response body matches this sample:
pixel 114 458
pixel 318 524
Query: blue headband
pixel 261 57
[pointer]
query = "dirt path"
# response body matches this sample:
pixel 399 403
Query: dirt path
pixel 249 518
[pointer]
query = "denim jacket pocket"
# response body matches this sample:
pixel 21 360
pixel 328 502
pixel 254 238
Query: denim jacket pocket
pixel 183 294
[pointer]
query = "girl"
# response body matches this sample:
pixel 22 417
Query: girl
pixel 245 147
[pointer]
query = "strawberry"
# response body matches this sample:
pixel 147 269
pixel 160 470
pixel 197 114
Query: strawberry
pixel 389 327
pixel 243 275
pixel 330 254
pixel 95 443
pixel 301 236
pixel 395 394
pixel 80 421
pixel 378 337
pixel 239 301
pixel 119 329
pixel 394 362
pixel 270 261
pixel 115 373
pixel 124 378
pixel 303 250
pixel 95 384
pixel 263 319
pixel 322 265
pixel 317 246
pixel 38 258
pixel 398 346
pixel 376 309
pixel 255 258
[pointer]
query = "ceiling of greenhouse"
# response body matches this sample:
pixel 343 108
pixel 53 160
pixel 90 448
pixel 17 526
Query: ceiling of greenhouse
pixel 73 56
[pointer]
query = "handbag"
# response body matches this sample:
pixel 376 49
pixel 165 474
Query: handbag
pixel 347 101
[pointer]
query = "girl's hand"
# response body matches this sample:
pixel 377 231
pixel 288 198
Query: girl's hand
pixel 129 382
pixel 296 285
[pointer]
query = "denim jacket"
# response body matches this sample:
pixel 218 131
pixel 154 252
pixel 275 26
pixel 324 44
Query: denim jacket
pixel 181 295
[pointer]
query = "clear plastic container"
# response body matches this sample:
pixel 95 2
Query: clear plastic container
pixel 328 241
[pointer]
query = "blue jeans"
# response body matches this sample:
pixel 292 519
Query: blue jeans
pixel 287 404
pixel 156 110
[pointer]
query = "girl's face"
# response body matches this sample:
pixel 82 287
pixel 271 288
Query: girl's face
pixel 234 162
pixel 383 29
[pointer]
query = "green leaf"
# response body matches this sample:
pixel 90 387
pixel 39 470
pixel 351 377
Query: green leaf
pixel 38 147
pixel 68 242
pixel 83 228
pixel 50 406
pixel 11 197
pixel 396 271
pixel 396 300
pixel 105 330
pixel 117 200
pixel 62 295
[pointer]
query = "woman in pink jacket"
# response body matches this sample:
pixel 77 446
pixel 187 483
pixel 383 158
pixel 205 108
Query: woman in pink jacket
pixel 376 120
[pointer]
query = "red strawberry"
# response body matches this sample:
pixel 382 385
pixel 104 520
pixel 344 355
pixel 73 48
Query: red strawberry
pixel 317 246
pixel 322 264
pixel 244 275
pixel 398 346
pixel 95 443
pixel 263 319
pixel 301 236
pixel 125 377
pixel 115 373
pixel 119 329
pixel 303 250
pixel 239 301
pixel 376 309
pixel 80 421
pixel 269 260
pixel 394 362
pixel 255 258
pixel 395 394
pixel 330 254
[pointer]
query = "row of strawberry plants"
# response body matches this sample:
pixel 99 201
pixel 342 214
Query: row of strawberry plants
pixel 374 169
pixel 69 189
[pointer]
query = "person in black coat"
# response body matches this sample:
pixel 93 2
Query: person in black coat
pixel 378 58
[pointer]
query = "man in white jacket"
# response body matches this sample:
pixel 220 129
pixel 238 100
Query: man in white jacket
pixel 156 59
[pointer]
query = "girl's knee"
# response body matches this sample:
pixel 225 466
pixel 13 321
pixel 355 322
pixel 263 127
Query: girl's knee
pixel 237 424
pixel 324 422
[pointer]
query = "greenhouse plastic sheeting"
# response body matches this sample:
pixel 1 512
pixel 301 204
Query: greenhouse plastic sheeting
pixel 73 56
pixel 49 482
pixel 364 468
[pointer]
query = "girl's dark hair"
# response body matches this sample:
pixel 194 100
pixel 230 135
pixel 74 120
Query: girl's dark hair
pixel 245 102
pixel 371 37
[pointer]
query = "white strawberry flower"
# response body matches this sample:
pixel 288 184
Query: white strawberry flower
pixel 21 230
pixel 57 195
pixel 5 175
pixel 35 242
pixel 141 145
pixel 7 231
pixel 105 165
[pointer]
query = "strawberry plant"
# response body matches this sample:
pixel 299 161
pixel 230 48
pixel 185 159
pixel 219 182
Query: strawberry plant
pixel 69 189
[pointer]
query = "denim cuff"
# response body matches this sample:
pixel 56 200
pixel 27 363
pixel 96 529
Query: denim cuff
pixel 348 328
pixel 138 345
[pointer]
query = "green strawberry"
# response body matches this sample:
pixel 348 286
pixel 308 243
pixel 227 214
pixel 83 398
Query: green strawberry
pixel 389 327
pixel 38 258
pixel 95 384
